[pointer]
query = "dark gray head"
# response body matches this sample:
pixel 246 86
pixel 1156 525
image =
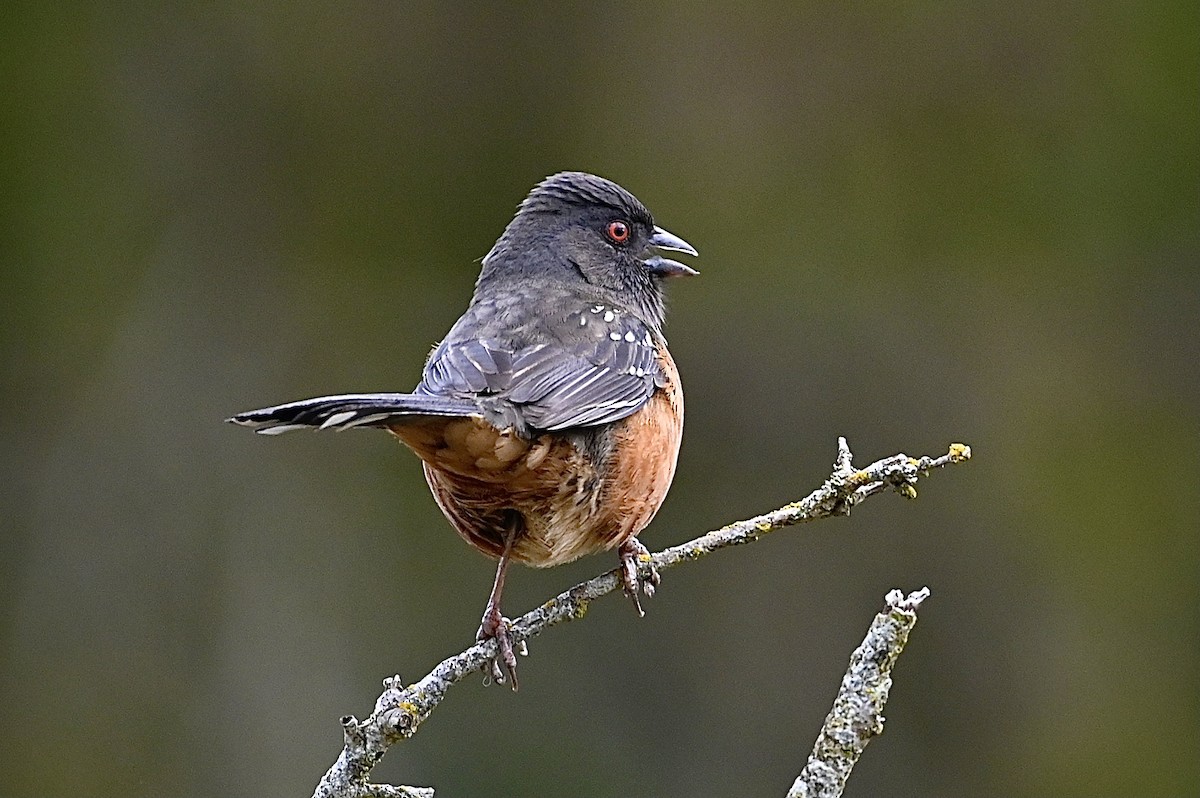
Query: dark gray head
pixel 580 229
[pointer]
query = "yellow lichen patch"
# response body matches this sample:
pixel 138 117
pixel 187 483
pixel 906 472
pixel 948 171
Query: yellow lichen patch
pixel 907 491
pixel 959 452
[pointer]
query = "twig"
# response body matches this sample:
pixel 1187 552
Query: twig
pixel 400 710
pixel 857 713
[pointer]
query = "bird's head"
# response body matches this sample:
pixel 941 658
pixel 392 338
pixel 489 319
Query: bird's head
pixel 589 231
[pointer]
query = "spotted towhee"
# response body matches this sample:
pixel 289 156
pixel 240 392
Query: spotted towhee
pixel 549 418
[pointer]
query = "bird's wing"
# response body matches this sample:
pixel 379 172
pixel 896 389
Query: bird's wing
pixel 595 379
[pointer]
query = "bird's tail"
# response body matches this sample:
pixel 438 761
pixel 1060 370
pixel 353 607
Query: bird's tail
pixel 352 410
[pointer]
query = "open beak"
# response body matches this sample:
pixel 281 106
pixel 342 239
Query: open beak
pixel 665 267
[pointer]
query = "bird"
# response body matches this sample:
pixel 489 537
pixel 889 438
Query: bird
pixel 549 418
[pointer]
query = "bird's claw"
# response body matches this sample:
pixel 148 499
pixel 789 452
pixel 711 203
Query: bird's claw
pixel 503 667
pixel 637 572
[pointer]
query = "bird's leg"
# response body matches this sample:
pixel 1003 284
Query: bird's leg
pixel 494 624
pixel 637 572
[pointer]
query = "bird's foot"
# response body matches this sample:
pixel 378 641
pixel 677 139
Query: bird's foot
pixel 637 572
pixel 503 666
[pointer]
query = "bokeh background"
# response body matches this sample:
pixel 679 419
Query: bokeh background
pixel 919 223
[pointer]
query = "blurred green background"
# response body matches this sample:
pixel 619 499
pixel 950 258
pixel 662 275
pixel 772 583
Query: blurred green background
pixel 918 223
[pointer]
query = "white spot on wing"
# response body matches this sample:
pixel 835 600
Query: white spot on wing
pixel 608 315
pixel 282 428
pixel 630 337
pixel 371 419
pixel 337 418
pixel 616 336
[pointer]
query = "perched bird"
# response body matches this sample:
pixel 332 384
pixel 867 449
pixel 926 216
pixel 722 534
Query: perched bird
pixel 549 418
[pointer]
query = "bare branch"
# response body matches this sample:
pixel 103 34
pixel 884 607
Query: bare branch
pixel 857 713
pixel 400 710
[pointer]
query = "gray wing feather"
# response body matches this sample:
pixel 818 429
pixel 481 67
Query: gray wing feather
pixel 553 386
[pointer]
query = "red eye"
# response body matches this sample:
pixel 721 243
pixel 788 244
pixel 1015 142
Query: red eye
pixel 618 231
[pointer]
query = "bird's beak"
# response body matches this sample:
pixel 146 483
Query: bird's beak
pixel 666 240
pixel 665 267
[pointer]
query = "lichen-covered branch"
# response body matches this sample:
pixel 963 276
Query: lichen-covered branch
pixel 400 710
pixel 857 713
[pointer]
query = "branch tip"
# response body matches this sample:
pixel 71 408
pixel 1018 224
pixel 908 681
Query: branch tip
pixel 896 600
pixel 857 713
pixel 844 457
pixel 394 791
